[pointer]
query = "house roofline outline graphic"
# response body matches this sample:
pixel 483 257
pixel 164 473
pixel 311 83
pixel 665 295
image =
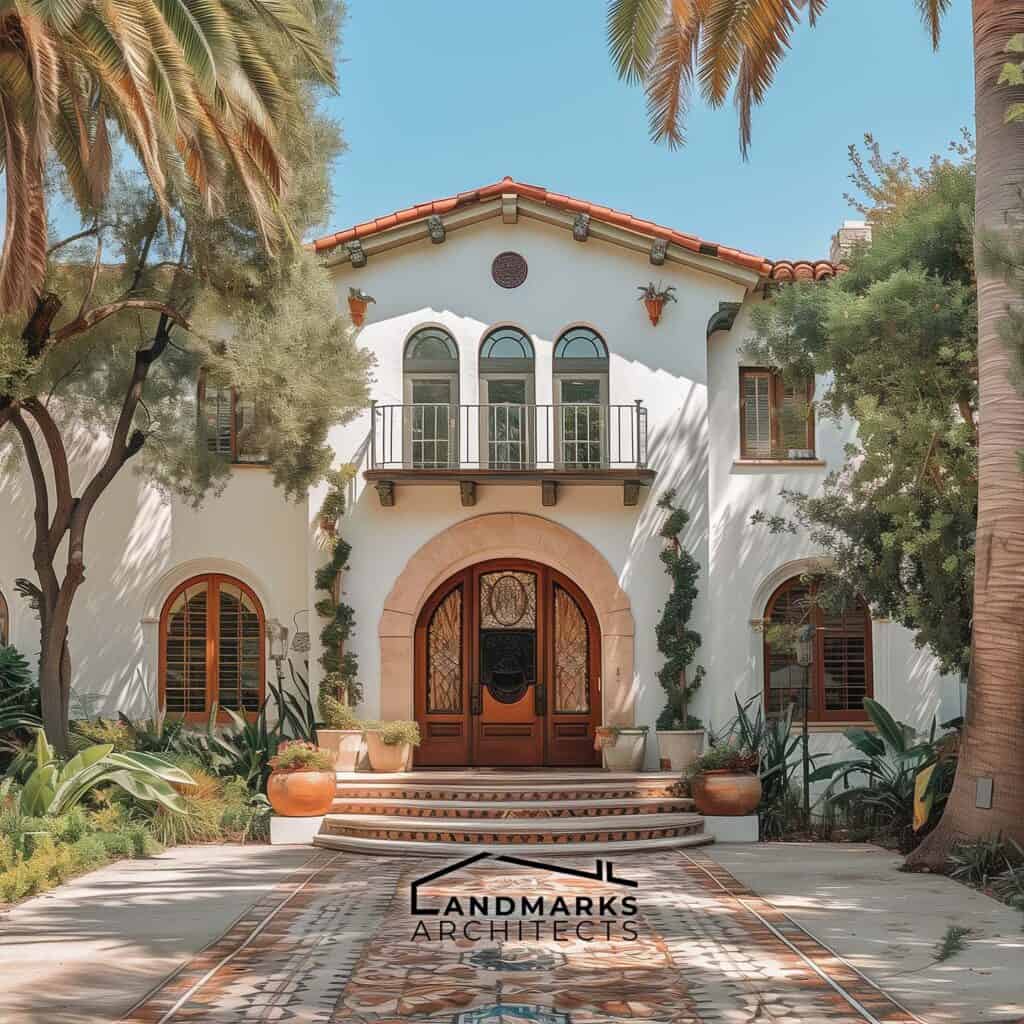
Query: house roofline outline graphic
pixel 603 872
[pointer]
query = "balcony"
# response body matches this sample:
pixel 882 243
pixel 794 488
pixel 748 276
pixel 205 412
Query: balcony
pixel 546 445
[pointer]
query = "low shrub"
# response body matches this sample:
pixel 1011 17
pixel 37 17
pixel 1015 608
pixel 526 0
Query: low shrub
pixel 393 734
pixel 300 756
pixel 338 715
pixel 105 731
pixel 724 757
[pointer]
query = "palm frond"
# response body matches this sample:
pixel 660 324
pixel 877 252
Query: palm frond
pixel 932 13
pixel 633 27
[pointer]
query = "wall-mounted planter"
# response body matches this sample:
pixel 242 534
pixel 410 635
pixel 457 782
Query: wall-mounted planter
pixel 358 300
pixel 654 296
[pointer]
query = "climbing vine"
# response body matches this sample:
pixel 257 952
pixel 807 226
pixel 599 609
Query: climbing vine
pixel 340 683
pixel 676 641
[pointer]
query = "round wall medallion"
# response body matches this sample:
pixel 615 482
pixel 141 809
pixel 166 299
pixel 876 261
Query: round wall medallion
pixel 509 269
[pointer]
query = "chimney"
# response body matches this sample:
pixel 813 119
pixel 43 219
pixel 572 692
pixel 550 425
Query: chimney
pixel 850 235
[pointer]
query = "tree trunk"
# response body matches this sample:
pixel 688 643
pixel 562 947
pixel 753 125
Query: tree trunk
pixel 993 744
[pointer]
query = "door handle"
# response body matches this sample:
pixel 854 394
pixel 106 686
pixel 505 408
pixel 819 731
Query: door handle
pixel 476 699
pixel 540 698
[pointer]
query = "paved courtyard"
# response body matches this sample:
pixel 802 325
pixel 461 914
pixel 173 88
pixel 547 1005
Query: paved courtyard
pixel 220 934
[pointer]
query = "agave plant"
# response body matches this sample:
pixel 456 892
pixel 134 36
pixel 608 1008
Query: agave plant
pixel 54 788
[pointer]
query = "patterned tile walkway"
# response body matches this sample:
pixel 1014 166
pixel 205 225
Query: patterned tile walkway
pixel 513 943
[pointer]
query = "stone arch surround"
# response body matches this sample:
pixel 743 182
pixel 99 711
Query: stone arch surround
pixel 507 535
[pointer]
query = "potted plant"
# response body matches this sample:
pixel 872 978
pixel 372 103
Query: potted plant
pixel 389 745
pixel 724 781
pixel 358 300
pixel 622 747
pixel 654 296
pixel 680 734
pixel 301 783
pixel 342 733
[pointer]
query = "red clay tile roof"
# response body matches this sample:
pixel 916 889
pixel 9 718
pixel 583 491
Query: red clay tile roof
pixel 781 270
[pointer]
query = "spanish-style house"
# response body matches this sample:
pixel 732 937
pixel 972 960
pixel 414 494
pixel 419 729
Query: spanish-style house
pixel 527 413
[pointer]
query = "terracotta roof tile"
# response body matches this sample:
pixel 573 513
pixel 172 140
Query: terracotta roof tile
pixel 779 270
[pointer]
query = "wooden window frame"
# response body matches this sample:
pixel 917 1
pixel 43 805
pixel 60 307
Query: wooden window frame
pixel 213 581
pixel 201 412
pixel 776 395
pixel 817 712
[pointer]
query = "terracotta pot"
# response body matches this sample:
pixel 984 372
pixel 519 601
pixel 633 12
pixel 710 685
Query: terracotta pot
pixel 345 745
pixel 624 752
pixel 654 308
pixel 387 759
pixel 357 310
pixel 301 794
pixel 724 792
pixel 679 748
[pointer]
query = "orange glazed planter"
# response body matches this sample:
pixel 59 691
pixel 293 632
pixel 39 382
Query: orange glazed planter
pixel 728 793
pixel 301 794
pixel 358 300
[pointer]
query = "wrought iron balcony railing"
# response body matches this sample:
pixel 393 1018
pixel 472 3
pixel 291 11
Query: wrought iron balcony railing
pixel 542 438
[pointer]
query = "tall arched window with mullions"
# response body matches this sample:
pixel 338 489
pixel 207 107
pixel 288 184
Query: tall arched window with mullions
pixel 840 674
pixel 507 410
pixel 212 648
pixel 431 404
pixel 580 389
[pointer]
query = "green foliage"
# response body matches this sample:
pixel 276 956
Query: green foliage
pixel 15 673
pixel 676 641
pixel 337 715
pixel 242 748
pixel 980 861
pixel 105 731
pixel 897 335
pixel 54 788
pixel 779 764
pixel 340 681
pixel 952 942
pixel 879 787
pixel 394 734
pixel 726 756
pixel 300 756
pixel 1013 75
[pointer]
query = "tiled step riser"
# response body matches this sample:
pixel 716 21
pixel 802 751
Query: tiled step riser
pixel 497 814
pixel 383 848
pixel 540 838
pixel 480 795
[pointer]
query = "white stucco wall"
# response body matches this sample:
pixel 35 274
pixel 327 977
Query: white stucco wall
pixel 140 547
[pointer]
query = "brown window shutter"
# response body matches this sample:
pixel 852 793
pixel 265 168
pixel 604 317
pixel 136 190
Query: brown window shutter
pixel 755 414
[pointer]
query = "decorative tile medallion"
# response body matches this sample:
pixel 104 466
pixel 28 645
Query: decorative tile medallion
pixel 511 1013
pixel 508 269
pixel 514 957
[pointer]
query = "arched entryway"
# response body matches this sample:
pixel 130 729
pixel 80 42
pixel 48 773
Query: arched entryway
pixel 500 535
pixel 507 669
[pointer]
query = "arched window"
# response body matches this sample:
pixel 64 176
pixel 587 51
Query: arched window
pixel 580 388
pixel 507 410
pixel 839 677
pixel 5 622
pixel 212 647
pixel 430 418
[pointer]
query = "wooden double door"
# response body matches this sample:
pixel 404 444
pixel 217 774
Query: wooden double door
pixel 507 669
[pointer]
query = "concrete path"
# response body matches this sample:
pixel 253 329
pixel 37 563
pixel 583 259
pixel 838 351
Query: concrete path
pixel 738 935
pixel 887 924
pixel 87 952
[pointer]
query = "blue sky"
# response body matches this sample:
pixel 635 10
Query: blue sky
pixel 438 97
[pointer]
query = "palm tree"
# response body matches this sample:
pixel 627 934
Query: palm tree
pixel 672 47
pixel 192 86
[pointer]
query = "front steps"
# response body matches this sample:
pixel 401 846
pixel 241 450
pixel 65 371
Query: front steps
pixel 440 813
